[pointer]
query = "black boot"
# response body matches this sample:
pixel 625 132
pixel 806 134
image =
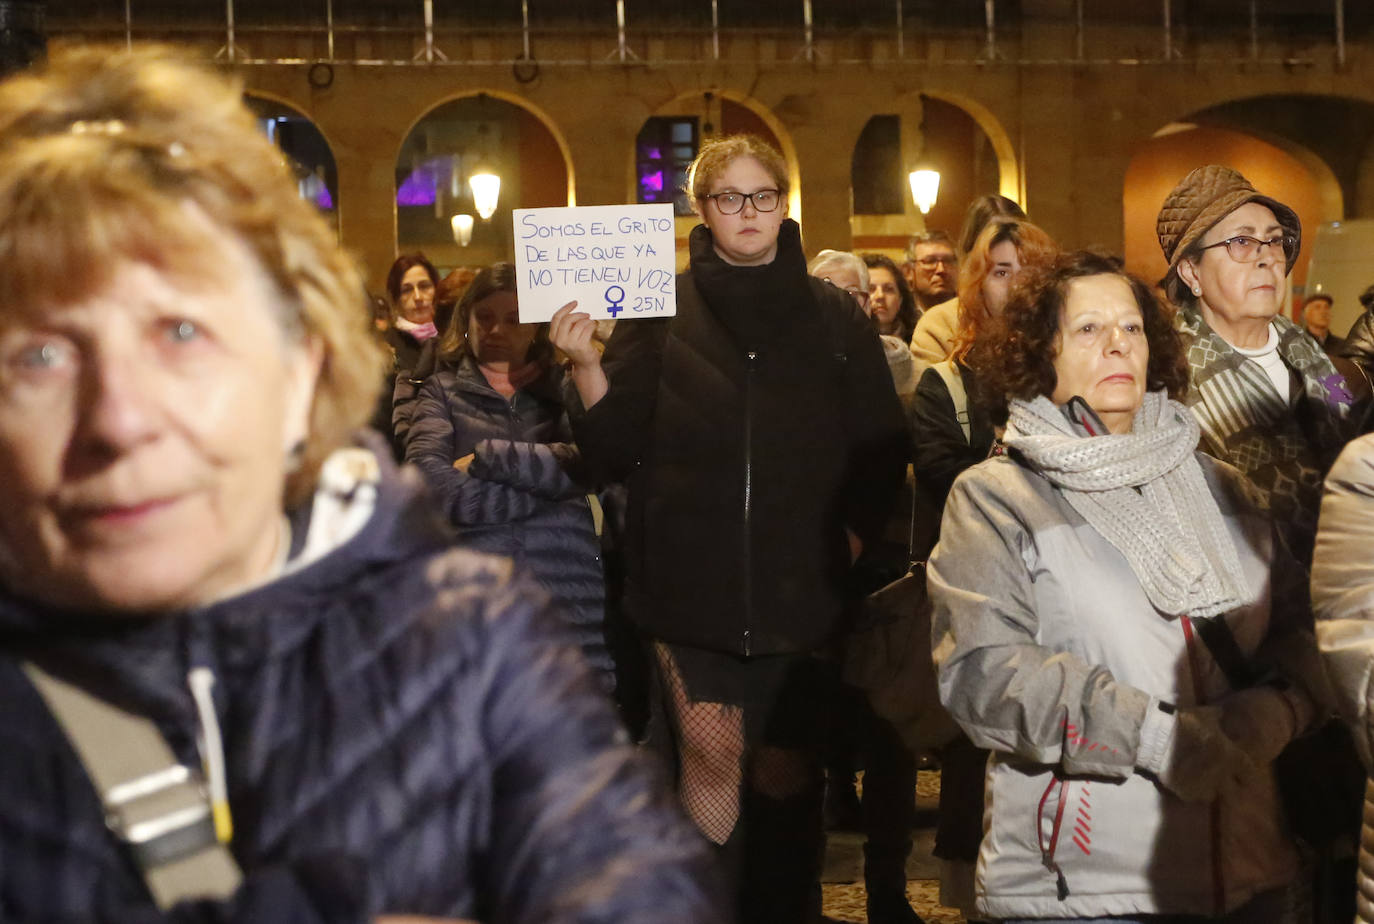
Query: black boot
pixel 885 881
pixel 842 811
pixel 784 847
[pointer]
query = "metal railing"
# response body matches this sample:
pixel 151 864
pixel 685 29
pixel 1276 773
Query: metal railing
pixel 681 31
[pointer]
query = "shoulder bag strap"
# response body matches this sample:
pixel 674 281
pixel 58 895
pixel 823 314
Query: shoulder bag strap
pixel 1216 635
pixel 158 807
pixel 954 383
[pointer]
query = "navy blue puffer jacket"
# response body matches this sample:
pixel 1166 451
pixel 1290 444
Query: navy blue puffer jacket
pixel 517 497
pixel 407 729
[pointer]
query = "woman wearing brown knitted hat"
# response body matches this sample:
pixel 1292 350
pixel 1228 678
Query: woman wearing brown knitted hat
pixel 1267 398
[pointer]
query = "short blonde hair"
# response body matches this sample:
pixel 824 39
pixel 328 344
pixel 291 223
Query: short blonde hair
pixel 718 153
pixel 101 152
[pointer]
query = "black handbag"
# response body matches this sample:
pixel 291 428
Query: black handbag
pixel 1320 777
pixel 888 656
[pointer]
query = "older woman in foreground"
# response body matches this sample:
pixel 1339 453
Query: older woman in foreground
pixel 1074 583
pixel 193 548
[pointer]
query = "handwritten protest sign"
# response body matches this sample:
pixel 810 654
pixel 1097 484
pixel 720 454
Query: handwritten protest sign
pixel 616 260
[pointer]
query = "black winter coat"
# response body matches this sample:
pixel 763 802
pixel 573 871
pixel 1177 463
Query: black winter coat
pixel 406 729
pixel 1359 342
pixel 754 427
pixel 517 498
pixel 406 352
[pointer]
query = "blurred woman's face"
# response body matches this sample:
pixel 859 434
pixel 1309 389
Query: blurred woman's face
pixel 145 433
pixel 417 296
pixel 496 337
pixel 884 298
pixel 1005 267
pixel 749 237
pixel 1103 355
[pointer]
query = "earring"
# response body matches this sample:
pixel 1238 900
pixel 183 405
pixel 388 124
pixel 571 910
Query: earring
pixel 295 456
pixel 1197 290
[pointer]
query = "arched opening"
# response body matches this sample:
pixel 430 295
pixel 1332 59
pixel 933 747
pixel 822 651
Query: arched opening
pixel 935 133
pixel 305 148
pixel 671 137
pixel 1177 149
pixel 471 135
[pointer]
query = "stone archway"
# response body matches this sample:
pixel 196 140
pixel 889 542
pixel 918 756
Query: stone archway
pixel 721 110
pixel 475 131
pixel 306 148
pixel 1285 170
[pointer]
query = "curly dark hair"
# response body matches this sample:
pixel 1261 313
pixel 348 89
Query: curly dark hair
pixel 1016 360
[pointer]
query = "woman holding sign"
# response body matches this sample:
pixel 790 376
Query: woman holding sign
pixel 762 444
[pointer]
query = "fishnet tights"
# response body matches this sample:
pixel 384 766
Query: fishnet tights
pixel 711 745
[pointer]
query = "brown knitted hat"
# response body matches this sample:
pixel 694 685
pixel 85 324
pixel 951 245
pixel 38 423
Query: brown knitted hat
pixel 1200 200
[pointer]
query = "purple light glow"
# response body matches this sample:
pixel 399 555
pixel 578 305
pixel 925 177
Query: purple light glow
pixel 652 182
pixel 324 200
pixel 418 188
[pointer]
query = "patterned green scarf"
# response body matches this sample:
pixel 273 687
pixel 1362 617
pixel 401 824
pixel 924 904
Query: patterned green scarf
pixel 1284 448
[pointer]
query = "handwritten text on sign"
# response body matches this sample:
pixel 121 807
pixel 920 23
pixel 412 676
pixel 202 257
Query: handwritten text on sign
pixel 616 260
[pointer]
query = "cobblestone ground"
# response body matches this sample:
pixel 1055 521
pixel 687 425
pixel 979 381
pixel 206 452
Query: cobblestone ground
pixel 843 888
pixel 846 902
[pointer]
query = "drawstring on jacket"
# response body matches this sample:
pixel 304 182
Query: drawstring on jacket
pixel 201 680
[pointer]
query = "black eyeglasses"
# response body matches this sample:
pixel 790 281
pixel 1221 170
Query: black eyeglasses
pixel 729 203
pixel 1246 249
pixel 859 295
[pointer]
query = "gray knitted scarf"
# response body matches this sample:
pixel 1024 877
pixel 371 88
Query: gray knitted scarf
pixel 1144 491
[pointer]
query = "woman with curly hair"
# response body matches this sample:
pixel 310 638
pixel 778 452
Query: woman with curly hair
pixel 1082 581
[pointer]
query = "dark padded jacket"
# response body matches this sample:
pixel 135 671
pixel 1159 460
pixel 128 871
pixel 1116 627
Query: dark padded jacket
pixel 753 427
pixel 517 498
pixel 406 729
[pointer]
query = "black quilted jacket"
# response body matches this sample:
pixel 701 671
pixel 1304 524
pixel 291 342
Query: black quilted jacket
pixel 406 728
pixel 517 498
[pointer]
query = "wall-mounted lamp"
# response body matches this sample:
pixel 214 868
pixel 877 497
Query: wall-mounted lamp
pixel 462 229
pixel 925 188
pixel 486 189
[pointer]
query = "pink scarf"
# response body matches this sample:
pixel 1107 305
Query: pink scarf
pixel 421 332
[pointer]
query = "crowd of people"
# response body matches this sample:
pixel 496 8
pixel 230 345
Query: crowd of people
pixel 559 638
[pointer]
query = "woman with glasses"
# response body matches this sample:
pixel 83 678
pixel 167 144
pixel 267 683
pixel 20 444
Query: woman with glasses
pixel 1268 399
pixel 890 302
pixel 849 272
pixel 762 444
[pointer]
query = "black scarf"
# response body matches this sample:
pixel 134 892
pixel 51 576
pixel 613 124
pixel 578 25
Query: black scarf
pixel 752 302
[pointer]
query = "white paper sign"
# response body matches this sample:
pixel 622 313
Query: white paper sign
pixel 616 260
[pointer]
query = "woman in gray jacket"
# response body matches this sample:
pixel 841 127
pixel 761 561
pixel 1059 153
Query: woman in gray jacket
pixel 1080 583
pixel 1343 601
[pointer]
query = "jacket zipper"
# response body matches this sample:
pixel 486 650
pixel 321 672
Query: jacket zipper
pixel 751 358
pixel 1047 851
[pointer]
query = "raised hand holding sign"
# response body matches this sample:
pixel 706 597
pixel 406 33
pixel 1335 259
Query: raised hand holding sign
pixel 617 261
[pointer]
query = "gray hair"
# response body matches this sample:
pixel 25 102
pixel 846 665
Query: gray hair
pixel 824 260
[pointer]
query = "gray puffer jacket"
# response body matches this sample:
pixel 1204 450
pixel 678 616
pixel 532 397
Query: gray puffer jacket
pixel 1051 655
pixel 1343 601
